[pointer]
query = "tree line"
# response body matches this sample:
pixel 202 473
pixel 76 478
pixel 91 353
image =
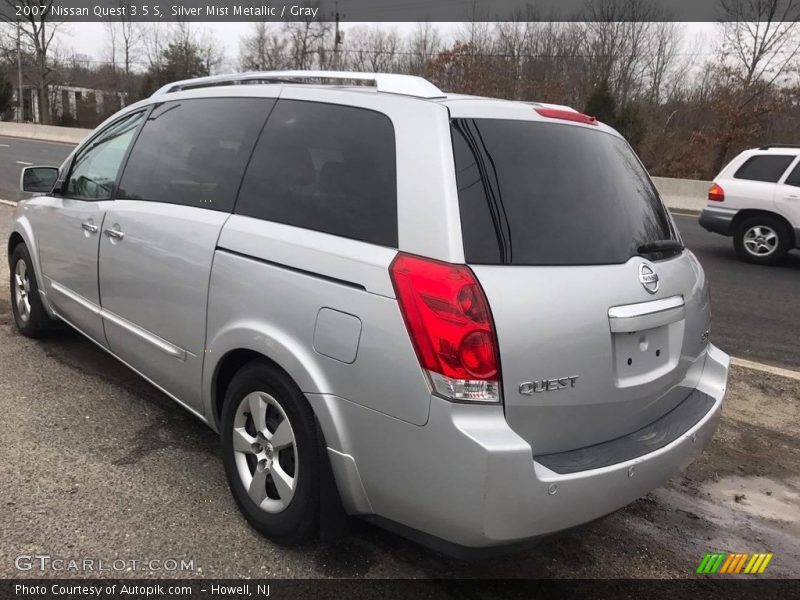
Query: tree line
pixel 686 108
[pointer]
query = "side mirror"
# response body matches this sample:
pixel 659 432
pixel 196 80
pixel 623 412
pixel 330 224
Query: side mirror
pixel 38 179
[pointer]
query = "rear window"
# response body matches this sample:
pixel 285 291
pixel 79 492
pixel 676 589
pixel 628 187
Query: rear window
pixel 325 167
pixel 764 168
pixel 535 193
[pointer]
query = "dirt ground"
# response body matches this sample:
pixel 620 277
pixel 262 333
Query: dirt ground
pixel 95 462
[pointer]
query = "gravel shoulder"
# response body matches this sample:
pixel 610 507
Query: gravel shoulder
pixel 97 463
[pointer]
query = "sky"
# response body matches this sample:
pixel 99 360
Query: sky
pixel 91 39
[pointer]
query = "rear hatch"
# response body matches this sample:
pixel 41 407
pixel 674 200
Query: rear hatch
pixel 599 330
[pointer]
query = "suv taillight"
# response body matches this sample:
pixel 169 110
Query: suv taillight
pixel 716 193
pixel 451 329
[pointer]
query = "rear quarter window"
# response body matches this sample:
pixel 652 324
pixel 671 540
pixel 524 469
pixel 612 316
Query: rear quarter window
pixel 794 177
pixel 764 168
pixel 327 168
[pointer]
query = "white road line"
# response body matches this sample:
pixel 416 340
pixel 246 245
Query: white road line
pixel 8 202
pixel 22 162
pixel 755 366
pixel 5 146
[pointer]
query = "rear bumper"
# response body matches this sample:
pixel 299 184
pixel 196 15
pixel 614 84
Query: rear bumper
pixel 717 219
pixel 468 480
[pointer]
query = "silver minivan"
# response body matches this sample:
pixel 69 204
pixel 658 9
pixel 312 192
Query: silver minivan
pixel 469 320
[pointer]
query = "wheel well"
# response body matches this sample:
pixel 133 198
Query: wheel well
pixel 752 212
pixel 333 517
pixel 14 241
pixel 227 368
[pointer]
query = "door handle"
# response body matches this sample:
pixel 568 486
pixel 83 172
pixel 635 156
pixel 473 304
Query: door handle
pixel 792 197
pixel 89 227
pixel 114 233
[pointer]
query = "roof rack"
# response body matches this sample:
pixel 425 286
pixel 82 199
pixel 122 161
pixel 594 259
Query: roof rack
pixel 407 85
pixel 779 146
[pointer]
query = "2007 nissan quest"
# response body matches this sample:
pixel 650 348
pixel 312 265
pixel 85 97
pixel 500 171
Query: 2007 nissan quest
pixel 473 318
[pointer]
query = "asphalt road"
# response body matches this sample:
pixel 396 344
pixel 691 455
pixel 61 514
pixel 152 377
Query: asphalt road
pixel 16 153
pixel 755 309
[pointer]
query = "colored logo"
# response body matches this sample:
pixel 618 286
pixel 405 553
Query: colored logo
pixel 734 563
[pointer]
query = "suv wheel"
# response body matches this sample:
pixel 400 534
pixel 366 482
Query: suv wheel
pixel 269 446
pixel 30 315
pixel 761 240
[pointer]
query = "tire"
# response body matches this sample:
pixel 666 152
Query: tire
pixel 30 316
pixel 762 239
pixel 285 514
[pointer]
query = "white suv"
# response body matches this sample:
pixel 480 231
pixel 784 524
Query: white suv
pixel 756 199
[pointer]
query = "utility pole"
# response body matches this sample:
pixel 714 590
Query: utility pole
pixel 19 74
pixel 337 39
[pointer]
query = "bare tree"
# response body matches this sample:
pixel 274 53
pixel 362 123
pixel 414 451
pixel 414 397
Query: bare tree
pixel 131 36
pixel 211 51
pixel 111 45
pixel 660 59
pixel 513 42
pixel 760 48
pixel 374 49
pixel 617 36
pixel 154 40
pixel 762 38
pixel 307 41
pixel 423 45
pixel 37 33
pixel 264 49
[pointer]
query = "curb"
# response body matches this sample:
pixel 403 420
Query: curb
pixel 762 368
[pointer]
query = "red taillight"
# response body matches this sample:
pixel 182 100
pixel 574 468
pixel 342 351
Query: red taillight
pixel 450 326
pixel 567 115
pixel 716 193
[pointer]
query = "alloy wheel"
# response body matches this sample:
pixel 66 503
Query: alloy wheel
pixel 265 450
pixel 22 288
pixel 760 240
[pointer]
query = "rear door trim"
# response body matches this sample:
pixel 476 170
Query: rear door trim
pixel 154 340
pixel 646 315
pixel 163 345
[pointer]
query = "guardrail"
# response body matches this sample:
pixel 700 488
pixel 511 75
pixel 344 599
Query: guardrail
pixel 45 133
pixel 683 194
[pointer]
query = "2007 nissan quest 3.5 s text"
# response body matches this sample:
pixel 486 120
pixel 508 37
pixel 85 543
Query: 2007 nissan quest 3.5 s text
pixel 469 320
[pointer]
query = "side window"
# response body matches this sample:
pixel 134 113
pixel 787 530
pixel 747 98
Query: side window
pixel 194 152
pixel 794 176
pixel 94 171
pixel 765 167
pixel 325 167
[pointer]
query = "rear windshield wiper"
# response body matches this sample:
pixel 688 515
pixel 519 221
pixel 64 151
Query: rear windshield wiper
pixel 660 246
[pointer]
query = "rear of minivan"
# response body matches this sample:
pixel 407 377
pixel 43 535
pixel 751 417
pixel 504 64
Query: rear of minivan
pixel 572 347
pixel 478 311
pixel 502 335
